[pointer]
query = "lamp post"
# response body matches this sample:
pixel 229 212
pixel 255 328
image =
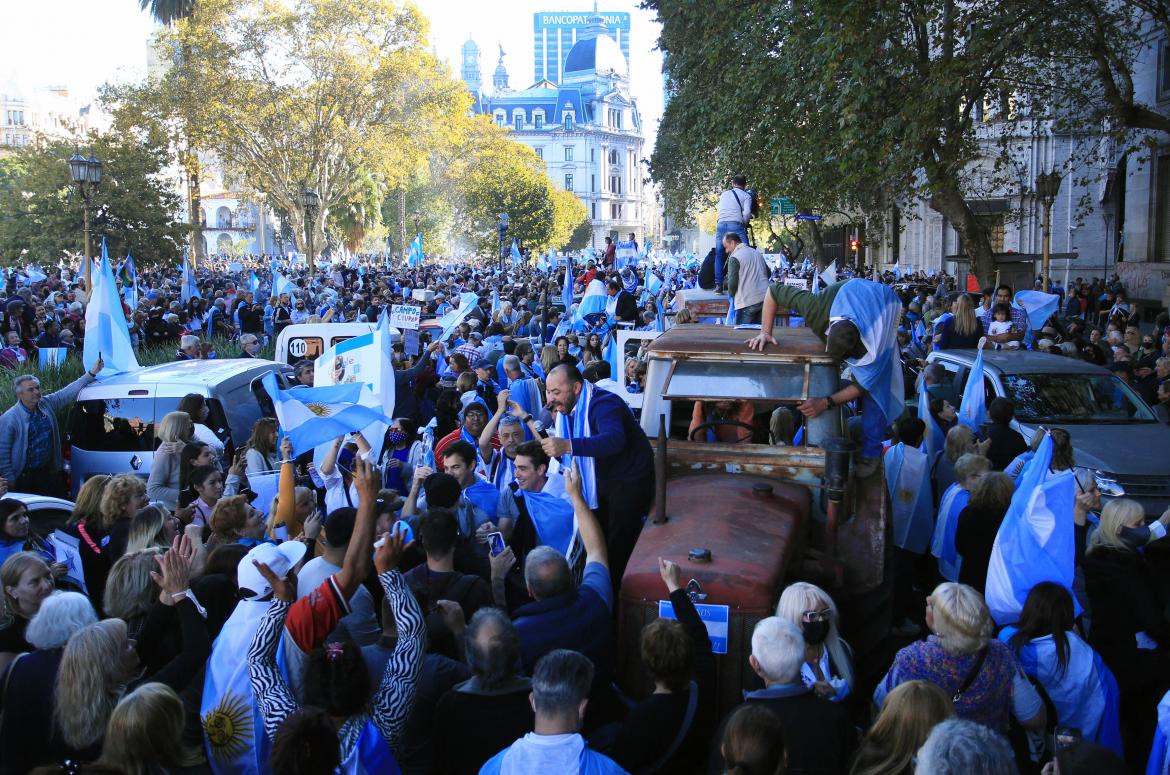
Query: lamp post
pixel 1047 187
pixel 310 202
pixel 86 174
pixel 503 229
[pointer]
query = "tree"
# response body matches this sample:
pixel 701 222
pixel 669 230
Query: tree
pixel 326 94
pixel 169 13
pixel 581 238
pixel 133 208
pixel 866 103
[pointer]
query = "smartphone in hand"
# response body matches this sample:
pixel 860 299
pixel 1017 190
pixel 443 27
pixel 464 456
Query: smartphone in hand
pixel 495 542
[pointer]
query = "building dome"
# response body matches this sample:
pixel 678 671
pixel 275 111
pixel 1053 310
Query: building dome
pixel 600 55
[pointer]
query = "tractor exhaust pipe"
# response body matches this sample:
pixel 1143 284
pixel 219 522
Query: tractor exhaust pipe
pixel 660 474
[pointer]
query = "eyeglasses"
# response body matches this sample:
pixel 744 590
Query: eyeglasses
pixel 823 615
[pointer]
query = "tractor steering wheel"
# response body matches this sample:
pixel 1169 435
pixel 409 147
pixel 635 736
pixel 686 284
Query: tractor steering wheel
pixel 714 423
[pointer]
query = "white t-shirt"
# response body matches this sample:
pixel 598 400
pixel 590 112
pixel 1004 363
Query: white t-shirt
pixel 335 492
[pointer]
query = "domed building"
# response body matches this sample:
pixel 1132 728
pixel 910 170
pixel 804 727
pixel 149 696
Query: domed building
pixel 586 128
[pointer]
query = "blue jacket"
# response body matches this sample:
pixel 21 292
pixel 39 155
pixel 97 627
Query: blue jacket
pixel 620 450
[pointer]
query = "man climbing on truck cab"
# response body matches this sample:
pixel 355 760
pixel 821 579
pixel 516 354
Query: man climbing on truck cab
pixel 858 322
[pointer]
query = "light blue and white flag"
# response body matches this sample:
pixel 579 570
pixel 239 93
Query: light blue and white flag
pixel 467 302
pixel 875 309
pixel 553 518
pixel 1035 541
pixel 189 289
pixel 542 263
pixel 730 319
pixel 830 273
pixel 912 512
pixel 517 259
pixel 416 251
pixel 934 440
pixel 594 301
pixel 625 253
pixel 1039 307
pixel 567 290
pixel 653 283
pixel 282 285
pixel 973 407
pixel 942 544
pixel 106 333
pixel 495 302
pixel 615 357
pixel 334 411
pixel 253 283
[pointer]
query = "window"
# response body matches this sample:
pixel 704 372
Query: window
pixel 592 184
pixel 1162 209
pixel 1163 70
pixel 568 182
pixel 539 152
pixel 568 153
pixel 538 121
pixel 518 120
pixel 500 119
pixel 568 122
pixel 118 424
pixel 1073 399
pixel 594 216
pixel 613 158
pixel 615 184
pixel 592 155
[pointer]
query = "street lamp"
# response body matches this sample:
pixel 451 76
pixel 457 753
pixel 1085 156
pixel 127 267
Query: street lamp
pixel 86 174
pixel 1047 187
pixel 310 202
pixel 503 229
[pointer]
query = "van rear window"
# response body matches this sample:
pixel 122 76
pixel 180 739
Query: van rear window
pixel 118 424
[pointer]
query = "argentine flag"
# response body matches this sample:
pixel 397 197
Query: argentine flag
pixel 552 517
pixel 973 407
pixel 334 411
pixel 106 333
pixel 253 283
pixel 281 285
pixel 1035 539
pixel 934 440
pixel 416 251
pixel 1039 307
pixel 517 259
pixel 189 289
pixel 908 480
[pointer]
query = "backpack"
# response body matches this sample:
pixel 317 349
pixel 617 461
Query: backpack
pixel 707 271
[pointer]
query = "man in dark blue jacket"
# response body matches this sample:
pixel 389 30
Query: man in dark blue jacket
pixel 622 460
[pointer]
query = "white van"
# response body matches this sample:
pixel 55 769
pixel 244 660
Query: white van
pixel 306 341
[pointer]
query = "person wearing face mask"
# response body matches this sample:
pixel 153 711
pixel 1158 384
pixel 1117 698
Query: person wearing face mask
pixel 402 452
pixel 828 660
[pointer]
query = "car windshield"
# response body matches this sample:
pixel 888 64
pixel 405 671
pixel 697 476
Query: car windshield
pixel 1074 398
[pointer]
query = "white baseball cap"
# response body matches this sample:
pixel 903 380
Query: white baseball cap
pixel 279 559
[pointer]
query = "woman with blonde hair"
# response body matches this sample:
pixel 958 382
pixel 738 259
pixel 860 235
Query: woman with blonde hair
pixel 26 580
pixel 907 716
pixel 101 663
pixel 961 331
pixel 122 497
pixel 1130 628
pixel 152 527
pixel 85 524
pixel 980 674
pixel 144 733
pixel 978 524
pixel 549 357
pixel 130 591
pixel 175 430
pixel 828 660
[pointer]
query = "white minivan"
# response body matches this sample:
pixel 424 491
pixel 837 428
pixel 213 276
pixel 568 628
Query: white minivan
pixel 306 341
pixel 111 427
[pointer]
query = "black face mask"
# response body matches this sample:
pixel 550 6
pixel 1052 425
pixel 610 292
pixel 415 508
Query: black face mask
pixel 815 632
pixel 1135 537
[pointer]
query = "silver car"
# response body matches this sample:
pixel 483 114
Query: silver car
pixel 111 428
pixel 1114 432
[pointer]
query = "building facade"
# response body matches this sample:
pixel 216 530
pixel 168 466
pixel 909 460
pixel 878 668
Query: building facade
pixel 25 113
pixel 554 33
pixel 586 127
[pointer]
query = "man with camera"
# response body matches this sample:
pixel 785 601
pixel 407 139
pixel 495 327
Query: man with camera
pixel 735 210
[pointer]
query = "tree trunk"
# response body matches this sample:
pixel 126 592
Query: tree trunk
pixel 402 221
pixel 976 243
pixel 189 159
pixel 818 244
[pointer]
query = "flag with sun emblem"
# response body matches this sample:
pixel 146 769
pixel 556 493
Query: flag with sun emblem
pixel 912 510
pixel 334 411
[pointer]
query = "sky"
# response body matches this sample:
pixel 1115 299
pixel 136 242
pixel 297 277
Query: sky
pixel 48 43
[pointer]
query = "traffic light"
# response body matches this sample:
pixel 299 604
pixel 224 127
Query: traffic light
pixel 854 245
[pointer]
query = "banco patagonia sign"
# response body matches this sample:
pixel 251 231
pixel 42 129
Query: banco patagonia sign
pixel 612 20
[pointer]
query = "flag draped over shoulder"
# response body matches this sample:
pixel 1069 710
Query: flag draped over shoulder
pixel 908 480
pixel 1035 541
pixel 106 333
pixel 875 309
pixel 553 518
pixel 576 426
pixel 973 407
pixel 334 411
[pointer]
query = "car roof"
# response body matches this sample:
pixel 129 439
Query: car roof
pixel 33 501
pixel 1022 362
pixel 190 372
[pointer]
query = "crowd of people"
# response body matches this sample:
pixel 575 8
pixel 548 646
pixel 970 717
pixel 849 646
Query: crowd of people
pixel 443 599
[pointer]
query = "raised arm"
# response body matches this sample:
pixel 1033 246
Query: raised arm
pixel 330 459
pixel 357 555
pixel 392 702
pixel 273 698
pixel 591 536
pixel 489 430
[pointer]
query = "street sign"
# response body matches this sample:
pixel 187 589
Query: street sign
pixel 714 617
pixel 809 217
pixel 404 316
pixel 782 205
